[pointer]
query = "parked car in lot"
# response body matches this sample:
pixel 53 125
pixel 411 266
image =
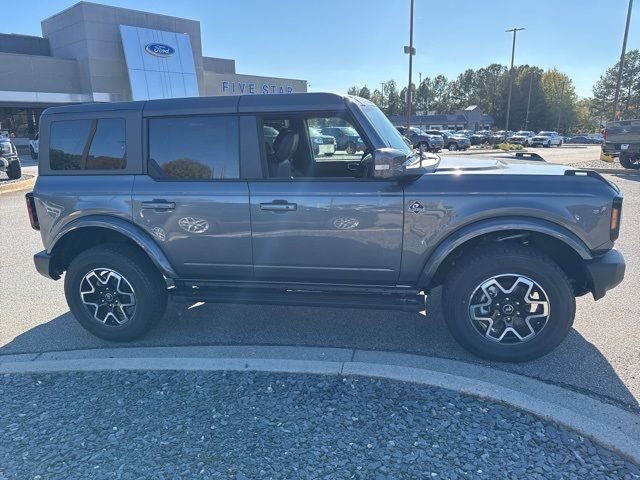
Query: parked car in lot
pixel 500 136
pixel 466 133
pixel 322 144
pixel 9 159
pixel 523 137
pixel 452 140
pixel 347 139
pixel 33 147
pixel 481 137
pixel 131 227
pixel 422 140
pixel 584 140
pixel 622 139
pixel 547 139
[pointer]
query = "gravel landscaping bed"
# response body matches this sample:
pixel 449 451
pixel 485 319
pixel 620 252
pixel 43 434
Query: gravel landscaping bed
pixel 257 425
pixel 600 164
pixel 4 180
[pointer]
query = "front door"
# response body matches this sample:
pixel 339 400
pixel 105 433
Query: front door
pixel 192 200
pixel 321 221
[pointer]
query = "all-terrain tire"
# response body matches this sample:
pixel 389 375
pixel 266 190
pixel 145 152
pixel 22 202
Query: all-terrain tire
pixel 482 263
pixel 628 162
pixel 14 170
pixel 146 282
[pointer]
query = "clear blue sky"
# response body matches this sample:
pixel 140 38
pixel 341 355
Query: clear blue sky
pixel 338 43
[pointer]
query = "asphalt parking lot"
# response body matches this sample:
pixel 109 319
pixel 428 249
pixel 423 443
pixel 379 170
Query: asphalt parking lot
pixel 600 356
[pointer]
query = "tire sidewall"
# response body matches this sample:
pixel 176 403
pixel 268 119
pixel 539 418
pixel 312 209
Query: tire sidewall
pixel 125 266
pixel 561 306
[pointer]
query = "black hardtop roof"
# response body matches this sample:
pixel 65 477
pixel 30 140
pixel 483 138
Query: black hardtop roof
pixel 219 104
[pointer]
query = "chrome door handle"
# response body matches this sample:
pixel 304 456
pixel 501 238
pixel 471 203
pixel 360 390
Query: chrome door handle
pixel 158 205
pixel 279 206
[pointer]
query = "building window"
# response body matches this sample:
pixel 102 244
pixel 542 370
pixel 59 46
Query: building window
pixel 194 148
pixel 88 144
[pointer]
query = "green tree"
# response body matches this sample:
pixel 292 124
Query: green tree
pixel 392 99
pixel 364 92
pixel 353 91
pixel 560 97
pixel 629 100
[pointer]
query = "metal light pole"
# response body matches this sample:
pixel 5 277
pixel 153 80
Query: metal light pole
pixel 382 85
pixel 411 52
pixel 513 52
pixel 560 105
pixel 624 48
pixel 526 120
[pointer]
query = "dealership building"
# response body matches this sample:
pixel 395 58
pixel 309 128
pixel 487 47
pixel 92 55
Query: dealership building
pixel 97 53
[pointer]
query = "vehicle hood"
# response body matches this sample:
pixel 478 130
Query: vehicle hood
pixel 499 166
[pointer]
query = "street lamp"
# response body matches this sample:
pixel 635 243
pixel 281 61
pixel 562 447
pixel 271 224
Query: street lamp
pixel 411 52
pixel 382 85
pixel 513 51
pixel 621 67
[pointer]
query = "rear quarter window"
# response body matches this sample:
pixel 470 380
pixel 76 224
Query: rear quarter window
pixel 92 144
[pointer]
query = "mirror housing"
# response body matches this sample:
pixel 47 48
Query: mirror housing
pixel 389 163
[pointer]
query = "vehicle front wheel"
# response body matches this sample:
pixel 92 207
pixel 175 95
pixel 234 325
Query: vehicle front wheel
pixel 508 303
pixel 351 148
pixel 14 170
pixel 452 147
pixel 548 145
pixel 115 292
pixel 629 161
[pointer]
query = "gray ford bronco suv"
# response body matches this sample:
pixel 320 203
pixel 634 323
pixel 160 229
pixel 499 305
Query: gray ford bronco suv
pixel 186 198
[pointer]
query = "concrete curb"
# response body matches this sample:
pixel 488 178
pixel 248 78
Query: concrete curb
pixel 19 185
pixel 612 427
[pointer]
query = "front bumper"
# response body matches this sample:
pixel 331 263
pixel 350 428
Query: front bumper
pixel 605 272
pixel 43 262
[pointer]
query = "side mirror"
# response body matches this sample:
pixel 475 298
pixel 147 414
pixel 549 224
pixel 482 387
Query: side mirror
pixel 389 163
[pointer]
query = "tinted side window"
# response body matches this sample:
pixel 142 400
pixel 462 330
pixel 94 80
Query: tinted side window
pixel 108 148
pixel 68 139
pixel 194 148
pixel 88 144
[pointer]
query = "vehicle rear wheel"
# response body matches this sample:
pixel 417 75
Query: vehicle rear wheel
pixel 34 155
pixel 508 303
pixel 629 161
pixel 452 147
pixel 115 292
pixel 14 170
pixel 351 148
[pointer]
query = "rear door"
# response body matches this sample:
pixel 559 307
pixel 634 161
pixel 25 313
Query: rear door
pixel 324 223
pixel 192 199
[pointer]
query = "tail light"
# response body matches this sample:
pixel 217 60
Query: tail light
pixel 616 217
pixel 31 208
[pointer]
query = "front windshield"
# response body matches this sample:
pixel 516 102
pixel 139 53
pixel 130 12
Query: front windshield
pixel 385 129
pixel 522 133
pixel 545 133
pixel 350 131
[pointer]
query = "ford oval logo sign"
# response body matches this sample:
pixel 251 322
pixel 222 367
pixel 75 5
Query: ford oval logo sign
pixel 159 50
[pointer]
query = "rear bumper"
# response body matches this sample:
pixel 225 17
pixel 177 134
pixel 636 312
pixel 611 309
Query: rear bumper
pixel 605 272
pixel 43 263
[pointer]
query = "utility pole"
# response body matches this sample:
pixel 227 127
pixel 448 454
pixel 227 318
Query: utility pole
pixel 560 105
pixel 526 120
pixel 411 52
pixel 513 52
pixel 382 85
pixel 621 67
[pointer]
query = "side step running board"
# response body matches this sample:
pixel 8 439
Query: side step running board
pixel 407 303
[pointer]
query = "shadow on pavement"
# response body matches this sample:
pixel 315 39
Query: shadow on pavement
pixel 576 362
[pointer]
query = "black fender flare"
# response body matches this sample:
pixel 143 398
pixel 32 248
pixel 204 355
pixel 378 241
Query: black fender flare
pixel 496 225
pixel 126 228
